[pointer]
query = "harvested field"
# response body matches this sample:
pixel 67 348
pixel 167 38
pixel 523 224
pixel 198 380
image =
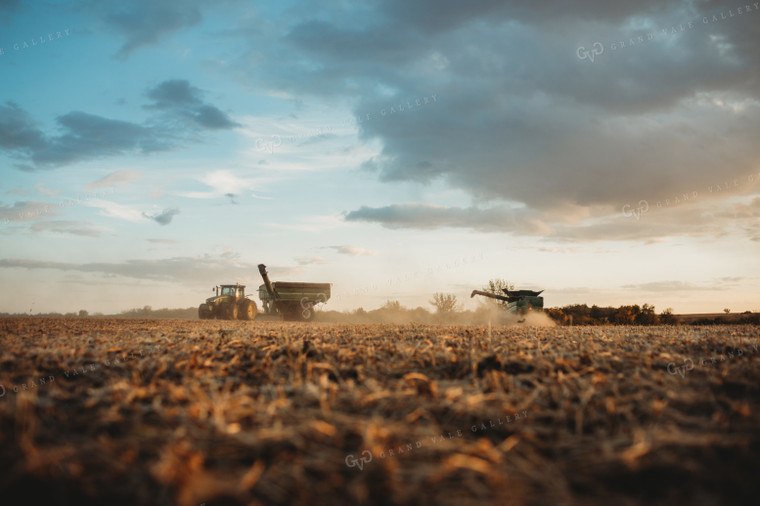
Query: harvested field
pixel 218 412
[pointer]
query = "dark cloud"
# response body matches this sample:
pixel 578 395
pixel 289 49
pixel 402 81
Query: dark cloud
pixel 175 93
pixel 447 15
pixel 83 136
pixel 144 22
pixel 422 216
pixel 177 96
pixel 18 132
pixel 520 118
pixel 10 5
pixel 210 117
pixel 163 218
pixel 654 226
pixel 87 136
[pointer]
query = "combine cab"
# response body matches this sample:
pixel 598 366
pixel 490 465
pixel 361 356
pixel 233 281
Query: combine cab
pixel 519 302
pixel 229 303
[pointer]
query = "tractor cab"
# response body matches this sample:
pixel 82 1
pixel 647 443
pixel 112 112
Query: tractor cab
pixel 237 291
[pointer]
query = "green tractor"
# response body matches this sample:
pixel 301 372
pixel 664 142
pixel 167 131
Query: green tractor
pixel 228 303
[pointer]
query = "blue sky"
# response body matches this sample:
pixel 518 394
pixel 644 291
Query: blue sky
pixel 605 153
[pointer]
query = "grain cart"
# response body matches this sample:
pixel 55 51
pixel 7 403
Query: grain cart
pixel 293 300
pixel 518 301
pixel 228 303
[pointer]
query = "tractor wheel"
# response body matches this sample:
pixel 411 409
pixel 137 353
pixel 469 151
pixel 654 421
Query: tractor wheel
pixel 248 310
pixel 203 313
pixel 231 312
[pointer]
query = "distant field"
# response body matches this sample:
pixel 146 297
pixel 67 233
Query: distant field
pixel 117 412
pixel 722 317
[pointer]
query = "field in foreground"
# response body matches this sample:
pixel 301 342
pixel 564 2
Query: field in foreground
pixel 191 412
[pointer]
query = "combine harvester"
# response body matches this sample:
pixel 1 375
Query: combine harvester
pixel 293 301
pixel 519 302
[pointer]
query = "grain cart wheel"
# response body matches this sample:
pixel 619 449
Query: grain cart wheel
pixel 248 310
pixel 231 312
pixel 306 315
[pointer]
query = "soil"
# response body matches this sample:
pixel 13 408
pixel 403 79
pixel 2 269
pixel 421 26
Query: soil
pixel 190 412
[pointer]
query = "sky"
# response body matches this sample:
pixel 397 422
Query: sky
pixel 605 152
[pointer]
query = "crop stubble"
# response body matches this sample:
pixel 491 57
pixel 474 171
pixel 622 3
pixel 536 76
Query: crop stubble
pixel 218 412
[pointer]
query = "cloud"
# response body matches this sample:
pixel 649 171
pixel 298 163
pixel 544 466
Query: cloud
pixel 144 23
pixel 426 216
pixel 18 132
pixel 174 93
pixel 519 117
pixel 163 218
pixel 177 96
pixel 700 218
pixel 191 270
pixel 668 286
pixel 114 179
pixel 310 260
pixel 67 227
pixel 46 191
pixel 85 136
pixel 223 183
pixel 351 250
pixel 26 211
pixel 116 210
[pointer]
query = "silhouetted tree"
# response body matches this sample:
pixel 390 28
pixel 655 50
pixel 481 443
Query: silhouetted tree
pixel 646 316
pixel 667 318
pixel 626 315
pixel 445 303
pixel 497 286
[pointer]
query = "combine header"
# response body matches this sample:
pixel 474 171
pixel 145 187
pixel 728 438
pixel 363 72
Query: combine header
pixel 519 302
